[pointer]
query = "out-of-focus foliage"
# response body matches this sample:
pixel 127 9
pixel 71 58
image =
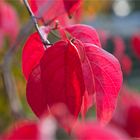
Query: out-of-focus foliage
pixel 21 10
pixel 93 7
pixel 6 117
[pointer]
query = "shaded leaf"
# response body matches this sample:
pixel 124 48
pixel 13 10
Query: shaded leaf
pixel 34 93
pixel 135 44
pixel 32 53
pixel 61 76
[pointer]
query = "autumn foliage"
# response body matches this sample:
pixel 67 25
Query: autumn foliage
pixel 72 71
pixel 69 76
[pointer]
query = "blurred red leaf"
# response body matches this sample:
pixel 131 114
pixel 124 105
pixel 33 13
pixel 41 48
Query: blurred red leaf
pixel 127 113
pixel 1 38
pixel 103 35
pixel 135 44
pixel 126 64
pixel 8 13
pixel 44 129
pixel 93 131
pixel 51 10
pixel 63 116
pixel 23 131
pixel 71 6
pixel 119 49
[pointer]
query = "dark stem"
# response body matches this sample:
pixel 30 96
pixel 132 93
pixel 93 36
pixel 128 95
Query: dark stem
pixel 44 41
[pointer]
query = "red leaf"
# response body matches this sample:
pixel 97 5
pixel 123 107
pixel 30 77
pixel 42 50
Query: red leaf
pixel 103 35
pixel 34 93
pixel 86 67
pixel 47 9
pixel 44 129
pixel 126 64
pixel 22 131
pixel 88 101
pixel 93 131
pixel 8 13
pixel 61 76
pixel 88 78
pixel 84 33
pixel 135 41
pixel 53 9
pixel 1 38
pixel 32 53
pixel 71 5
pixel 88 98
pixel 127 113
pixel 119 47
pixel 63 116
pixel 108 80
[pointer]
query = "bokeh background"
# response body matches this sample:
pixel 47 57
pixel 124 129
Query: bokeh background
pixel 113 19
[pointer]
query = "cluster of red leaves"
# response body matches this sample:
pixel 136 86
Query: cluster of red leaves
pixel 7 13
pixel 72 72
pixel 52 10
pixel 46 129
pixel 127 115
pixel 119 49
pixel 135 44
pixel 31 130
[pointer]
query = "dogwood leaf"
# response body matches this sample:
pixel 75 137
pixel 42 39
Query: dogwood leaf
pixel 32 53
pixel 108 80
pixel 84 33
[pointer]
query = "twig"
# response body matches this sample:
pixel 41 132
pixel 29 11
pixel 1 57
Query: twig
pixel 44 41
